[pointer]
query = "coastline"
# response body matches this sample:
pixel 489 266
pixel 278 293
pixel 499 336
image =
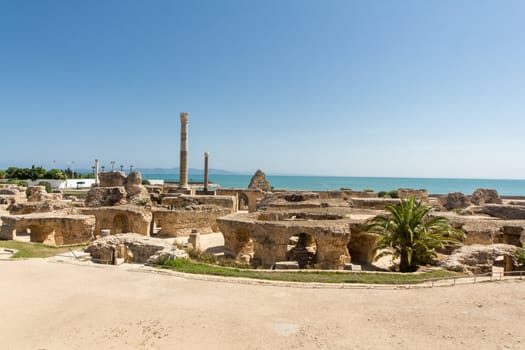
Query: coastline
pixel 505 187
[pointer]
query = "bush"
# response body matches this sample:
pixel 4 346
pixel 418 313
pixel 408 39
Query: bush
pixel 393 194
pixel 520 256
pixel 21 183
pixel 55 174
pixel 46 184
pixel 382 194
pixel 368 190
pixel 201 256
pixel 145 182
pixel 144 202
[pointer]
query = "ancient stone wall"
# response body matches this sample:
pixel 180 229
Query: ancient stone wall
pixel 373 203
pixel 11 194
pixel 420 195
pixel 106 196
pixel 298 200
pixel 246 199
pixel 117 189
pixel 506 212
pixel 121 219
pixel 112 179
pixel 266 242
pixel 50 228
pixel 477 259
pixel 181 201
pixel 39 193
pixel 180 222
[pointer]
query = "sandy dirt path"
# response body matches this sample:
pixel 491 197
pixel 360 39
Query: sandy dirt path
pixel 49 305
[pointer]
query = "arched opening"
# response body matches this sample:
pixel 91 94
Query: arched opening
pixel 120 224
pixel 303 249
pixel 244 246
pixel 243 201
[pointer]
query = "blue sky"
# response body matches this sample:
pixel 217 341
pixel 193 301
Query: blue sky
pixel 348 88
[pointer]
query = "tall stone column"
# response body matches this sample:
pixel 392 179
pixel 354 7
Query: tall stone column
pixel 96 172
pixel 183 168
pixel 206 154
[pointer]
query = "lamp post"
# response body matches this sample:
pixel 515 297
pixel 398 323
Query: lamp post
pixel 102 167
pixel 112 165
pixel 131 168
pixel 73 169
pixel 121 167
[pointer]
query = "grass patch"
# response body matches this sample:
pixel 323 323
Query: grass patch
pixel 188 266
pixel 36 250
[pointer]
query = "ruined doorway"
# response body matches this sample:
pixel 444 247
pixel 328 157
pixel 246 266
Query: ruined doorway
pixel 243 201
pixel 303 249
pixel 244 247
pixel 120 224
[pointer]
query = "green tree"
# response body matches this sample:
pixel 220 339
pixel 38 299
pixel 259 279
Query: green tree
pixel 55 174
pixel 2 174
pixel 36 173
pixel 410 234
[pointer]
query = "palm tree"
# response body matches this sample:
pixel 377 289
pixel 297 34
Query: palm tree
pixel 411 234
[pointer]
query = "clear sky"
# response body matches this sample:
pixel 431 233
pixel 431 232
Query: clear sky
pixel 349 88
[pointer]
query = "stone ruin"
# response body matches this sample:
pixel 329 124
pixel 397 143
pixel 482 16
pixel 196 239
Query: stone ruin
pixel 132 248
pixel 121 219
pixel 259 182
pixel 178 215
pixel 297 229
pixel 12 194
pixel 479 259
pixel 39 194
pixel 480 197
pixel 313 237
pixel 116 188
pixel 49 228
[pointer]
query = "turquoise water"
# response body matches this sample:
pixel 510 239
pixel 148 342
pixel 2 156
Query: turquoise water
pixel 323 183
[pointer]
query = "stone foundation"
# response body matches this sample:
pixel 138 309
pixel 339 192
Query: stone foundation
pixel 264 242
pixel 121 219
pixel 175 223
pixel 49 228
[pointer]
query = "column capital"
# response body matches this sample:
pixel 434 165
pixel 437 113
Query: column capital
pixel 184 117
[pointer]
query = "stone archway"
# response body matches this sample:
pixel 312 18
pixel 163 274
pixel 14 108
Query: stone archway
pixel 302 248
pixel 120 224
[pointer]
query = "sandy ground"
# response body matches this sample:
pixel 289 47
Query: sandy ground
pixel 51 305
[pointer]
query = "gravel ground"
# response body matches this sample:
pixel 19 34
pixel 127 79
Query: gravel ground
pixel 50 305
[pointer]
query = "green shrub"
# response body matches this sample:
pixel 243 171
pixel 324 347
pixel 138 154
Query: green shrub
pixel 382 194
pixel 368 190
pixel 143 202
pixel 145 182
pixel 520 256
pixel 393 194
pixel 201 256
pixel 46 184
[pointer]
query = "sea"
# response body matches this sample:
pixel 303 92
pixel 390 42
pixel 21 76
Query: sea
pixel 504 187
